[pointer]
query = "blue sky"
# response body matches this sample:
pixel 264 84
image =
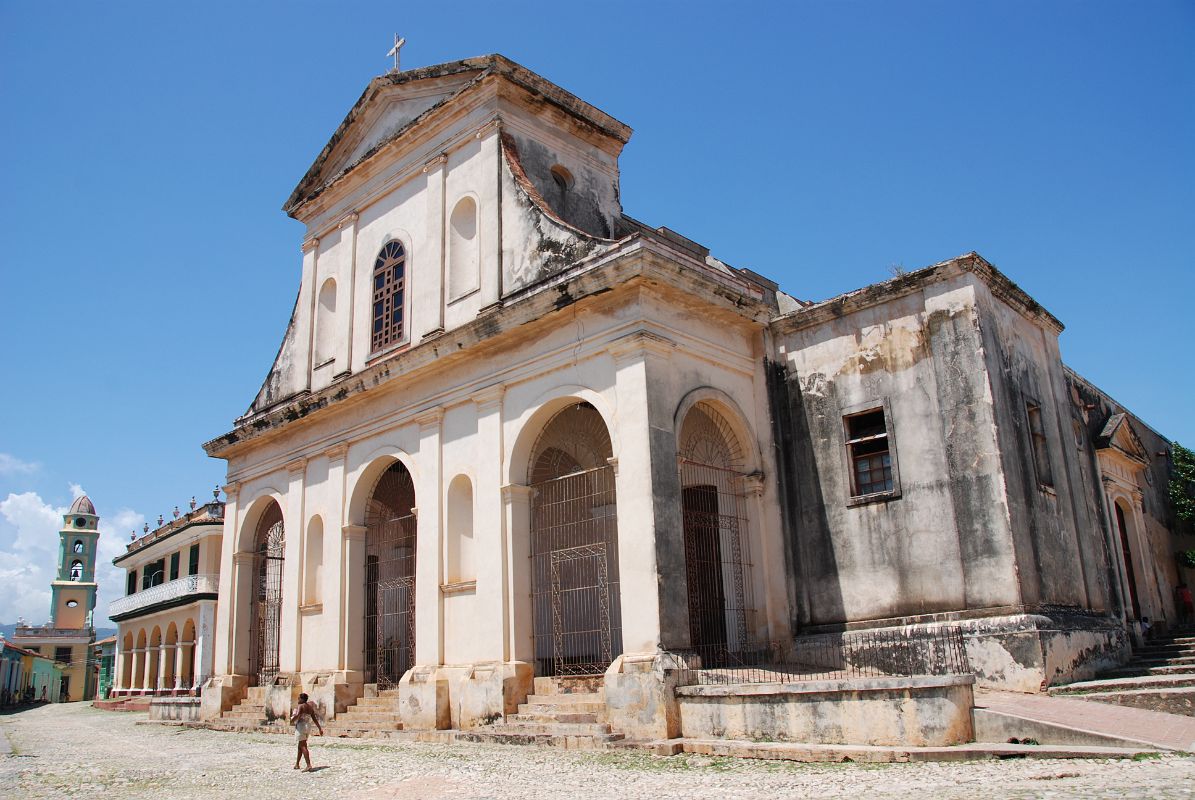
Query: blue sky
pixel 147 273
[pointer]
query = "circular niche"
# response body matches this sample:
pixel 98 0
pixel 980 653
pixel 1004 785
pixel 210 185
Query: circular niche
pixel 80 522
pixel 72 603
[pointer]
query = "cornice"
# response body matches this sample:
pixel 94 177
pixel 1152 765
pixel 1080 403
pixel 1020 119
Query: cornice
pixel 639 343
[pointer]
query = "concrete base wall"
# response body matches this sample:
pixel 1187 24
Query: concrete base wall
pixel 220 694
pixel 640 694
pixel 481 694
pixel 423 699
pixel 912 712
pixel 332 691
pixel 183 709
pixel 1030 652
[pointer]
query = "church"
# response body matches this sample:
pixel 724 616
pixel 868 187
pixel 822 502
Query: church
pixel 515 442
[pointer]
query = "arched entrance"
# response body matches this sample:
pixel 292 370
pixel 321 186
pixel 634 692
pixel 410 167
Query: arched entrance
pixel 390 578
pixel 715 530
pixel 576 613
pixel 1122 528
pixel 266 625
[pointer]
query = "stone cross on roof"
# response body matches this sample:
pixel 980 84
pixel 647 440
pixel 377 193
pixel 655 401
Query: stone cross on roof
pixel 398 43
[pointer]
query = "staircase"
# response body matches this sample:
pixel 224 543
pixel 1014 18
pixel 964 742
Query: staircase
pixel 249 714
pixel 1159 677
pixel 564 712
pixel 372 714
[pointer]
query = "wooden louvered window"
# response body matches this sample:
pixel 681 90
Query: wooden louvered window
pixel 389 284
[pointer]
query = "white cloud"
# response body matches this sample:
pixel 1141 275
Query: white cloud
pixel 29 552
pixel 77 491
pixel 11 465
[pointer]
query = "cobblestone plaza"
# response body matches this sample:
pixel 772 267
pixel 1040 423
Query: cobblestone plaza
pixel 72 750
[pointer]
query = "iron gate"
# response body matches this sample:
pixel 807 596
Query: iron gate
pixel 390 579
pixel 574 573
pixel 715 531
pixel 267 599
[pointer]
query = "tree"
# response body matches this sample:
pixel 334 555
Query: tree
pixel 1182 484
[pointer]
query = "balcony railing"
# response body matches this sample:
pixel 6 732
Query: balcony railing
pixel 50 632
pixel 164 592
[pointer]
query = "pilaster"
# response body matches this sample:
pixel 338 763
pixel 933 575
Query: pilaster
pixel 429 495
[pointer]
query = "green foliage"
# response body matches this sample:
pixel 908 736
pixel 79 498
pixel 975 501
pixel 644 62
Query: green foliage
pixel 1182 484
pixel 1186 558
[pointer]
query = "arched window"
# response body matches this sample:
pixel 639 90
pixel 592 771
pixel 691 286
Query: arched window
pixel 462 249
pixel 325 323
pixel 76 570
pixel 78 545
pixel 389 283
pixel 460 530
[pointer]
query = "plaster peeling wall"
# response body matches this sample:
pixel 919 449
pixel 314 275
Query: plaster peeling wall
pixel 535 242
pixel 942 545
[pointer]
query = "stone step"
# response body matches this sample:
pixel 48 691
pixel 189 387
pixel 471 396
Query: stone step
pixel 494 735
pixel 581 698
pixel 367 716
pixel 386 702
pixel 1133 672
pixel 551 728
pixel 333 729
pixel 555 718
pixel 1124 683
pixel 1180 649
pixel 1161 661
pixel 536 707
pixel 570 684
pixel 1178 700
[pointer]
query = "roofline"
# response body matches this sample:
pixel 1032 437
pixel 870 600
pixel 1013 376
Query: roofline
pixel 632 257
pixel 903 285
pixel 492 64
pixel 1124 409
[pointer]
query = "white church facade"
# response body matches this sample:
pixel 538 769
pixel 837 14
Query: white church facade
pixel 513 434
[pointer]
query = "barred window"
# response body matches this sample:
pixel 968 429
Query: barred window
pixel 870 455
pixel 389 283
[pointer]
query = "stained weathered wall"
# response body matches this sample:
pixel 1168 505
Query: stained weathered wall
pixel 940 542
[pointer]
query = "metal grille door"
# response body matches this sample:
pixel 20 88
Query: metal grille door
pixel 715 529
pixel 390 579
pixel 267 600
pixel 575 597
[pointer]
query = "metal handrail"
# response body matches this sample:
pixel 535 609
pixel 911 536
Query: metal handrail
pixel 172 590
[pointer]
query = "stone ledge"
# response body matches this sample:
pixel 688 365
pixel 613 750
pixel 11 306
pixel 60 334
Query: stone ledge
pixel 827 687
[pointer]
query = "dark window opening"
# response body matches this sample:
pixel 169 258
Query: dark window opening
pixel 389 271
pixel 76 570
pixel 193 560
pixel 153 574
pixel 1037 441
pixel 131 584
pixel 174 559
pixel 62 655
pixel 78 545
pixel 870 456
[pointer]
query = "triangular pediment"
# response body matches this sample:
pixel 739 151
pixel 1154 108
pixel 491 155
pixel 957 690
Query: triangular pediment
pixel 1118 434
pixel 387 107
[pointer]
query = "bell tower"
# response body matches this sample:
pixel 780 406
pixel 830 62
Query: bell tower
pixel 74 587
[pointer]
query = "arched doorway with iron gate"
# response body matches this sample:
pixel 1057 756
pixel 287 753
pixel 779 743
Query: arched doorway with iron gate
pixel 390 578
pixel 269 543
pixel 575 601
pixel 717 567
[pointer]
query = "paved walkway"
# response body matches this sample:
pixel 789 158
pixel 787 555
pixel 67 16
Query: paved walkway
pixel 1162 730
pixel 72 751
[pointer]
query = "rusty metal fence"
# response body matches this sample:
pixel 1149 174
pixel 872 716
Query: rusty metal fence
pixel 390 538
pixel 267 599
pixel 843 656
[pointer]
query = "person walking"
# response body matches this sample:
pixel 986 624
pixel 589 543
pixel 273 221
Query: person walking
pixel 304 715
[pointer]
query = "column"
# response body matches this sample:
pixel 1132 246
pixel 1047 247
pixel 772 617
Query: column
pixel 348 236
pixel 203 646
pixel 229 581
pixel 429 572
pixel 164 656
pixel 179 651
pixel 517 624
pixel 651 550
pixel 117 670
pixel 352 597
pixel 310 282
pixel 428 320
pixel 290 626
pixel 489 218
pixel 491 557
pixel 134 681
pixel 151 653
